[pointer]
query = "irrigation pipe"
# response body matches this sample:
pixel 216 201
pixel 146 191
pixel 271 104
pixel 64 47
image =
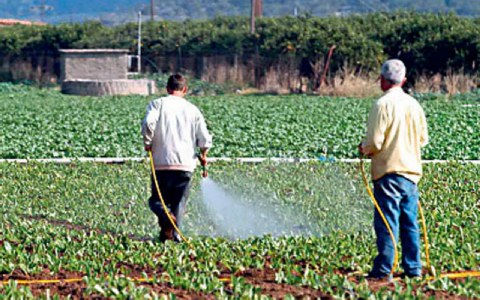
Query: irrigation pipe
pixel 122 160
pixel 452 275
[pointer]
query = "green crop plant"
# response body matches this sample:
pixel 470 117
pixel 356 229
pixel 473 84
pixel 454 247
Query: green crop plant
pixel 92 220
pixel 56 125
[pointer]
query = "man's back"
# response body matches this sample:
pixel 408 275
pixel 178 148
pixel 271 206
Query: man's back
pixel 179 127
pixel 398 130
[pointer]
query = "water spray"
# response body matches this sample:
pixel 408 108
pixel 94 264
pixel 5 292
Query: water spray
pixel 239 207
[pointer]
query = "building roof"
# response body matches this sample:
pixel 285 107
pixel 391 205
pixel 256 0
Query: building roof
pixel 11 22
pixel 101 51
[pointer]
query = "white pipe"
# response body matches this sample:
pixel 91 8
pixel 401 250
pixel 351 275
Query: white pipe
pixel 119 160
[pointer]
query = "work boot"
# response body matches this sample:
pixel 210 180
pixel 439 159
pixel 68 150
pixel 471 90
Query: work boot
pixel 166 234
pixel 379 277
pixel 411 275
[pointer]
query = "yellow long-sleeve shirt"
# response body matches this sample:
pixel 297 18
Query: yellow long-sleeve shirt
pixel 397 130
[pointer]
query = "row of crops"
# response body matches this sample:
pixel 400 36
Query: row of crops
pixel 92 221
pixel 45 124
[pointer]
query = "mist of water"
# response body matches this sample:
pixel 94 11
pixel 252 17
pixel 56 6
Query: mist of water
pixel 236 218
pixel 317 203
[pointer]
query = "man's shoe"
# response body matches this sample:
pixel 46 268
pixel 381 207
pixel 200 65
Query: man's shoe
pixel 162 237
pixel 410 275
pixel 379 277
pixel 166 235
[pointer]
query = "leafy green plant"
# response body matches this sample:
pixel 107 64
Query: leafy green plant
pixel 90 218
pixel 56 125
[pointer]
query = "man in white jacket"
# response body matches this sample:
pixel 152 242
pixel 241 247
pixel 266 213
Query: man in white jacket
pixel 172 130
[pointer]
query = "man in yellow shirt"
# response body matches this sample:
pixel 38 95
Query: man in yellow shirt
pixel 397 130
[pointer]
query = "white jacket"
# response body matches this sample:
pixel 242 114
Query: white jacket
pixel 174 127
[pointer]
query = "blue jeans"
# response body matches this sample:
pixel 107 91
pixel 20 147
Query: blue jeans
pixel 398 198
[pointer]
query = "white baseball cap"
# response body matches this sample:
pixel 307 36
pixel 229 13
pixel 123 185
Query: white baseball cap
pixel 394 70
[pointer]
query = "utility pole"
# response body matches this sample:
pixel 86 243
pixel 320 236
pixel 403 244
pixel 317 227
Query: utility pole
pixel 256 11
pixel 252 17
pixel 258 8
pixel 139 46
pixel 152 10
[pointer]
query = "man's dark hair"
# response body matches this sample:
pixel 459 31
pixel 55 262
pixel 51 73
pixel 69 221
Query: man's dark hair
pixel 176 82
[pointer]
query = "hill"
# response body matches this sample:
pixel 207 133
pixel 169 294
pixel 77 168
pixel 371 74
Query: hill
pixel 121 11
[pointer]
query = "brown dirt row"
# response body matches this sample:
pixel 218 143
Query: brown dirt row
pixel 263 279
pixel 376 285
pixel 77 290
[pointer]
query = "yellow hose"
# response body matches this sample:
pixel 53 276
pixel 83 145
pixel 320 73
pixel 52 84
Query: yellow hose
pixel 425 236
pixel 379 210
pixel 43 281
pixel 73 280
pixel 165 208
pixel 457 275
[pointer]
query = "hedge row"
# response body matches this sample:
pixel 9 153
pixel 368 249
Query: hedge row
pixel 428 43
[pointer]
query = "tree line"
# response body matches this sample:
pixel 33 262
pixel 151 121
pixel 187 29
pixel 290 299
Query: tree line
pixel 428 43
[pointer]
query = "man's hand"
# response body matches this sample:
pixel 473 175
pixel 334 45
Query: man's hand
pixel 360 149
pixel 362 152
pixel 203 159
pixel 148 148
pixel 203 156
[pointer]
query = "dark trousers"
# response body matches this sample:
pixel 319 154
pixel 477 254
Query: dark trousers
pixel 174 187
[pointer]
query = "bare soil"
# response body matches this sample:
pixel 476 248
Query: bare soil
pixel 77 290
pixel 263 279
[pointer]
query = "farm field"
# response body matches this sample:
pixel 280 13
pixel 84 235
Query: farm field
pixel 42 123
pixel 92 221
